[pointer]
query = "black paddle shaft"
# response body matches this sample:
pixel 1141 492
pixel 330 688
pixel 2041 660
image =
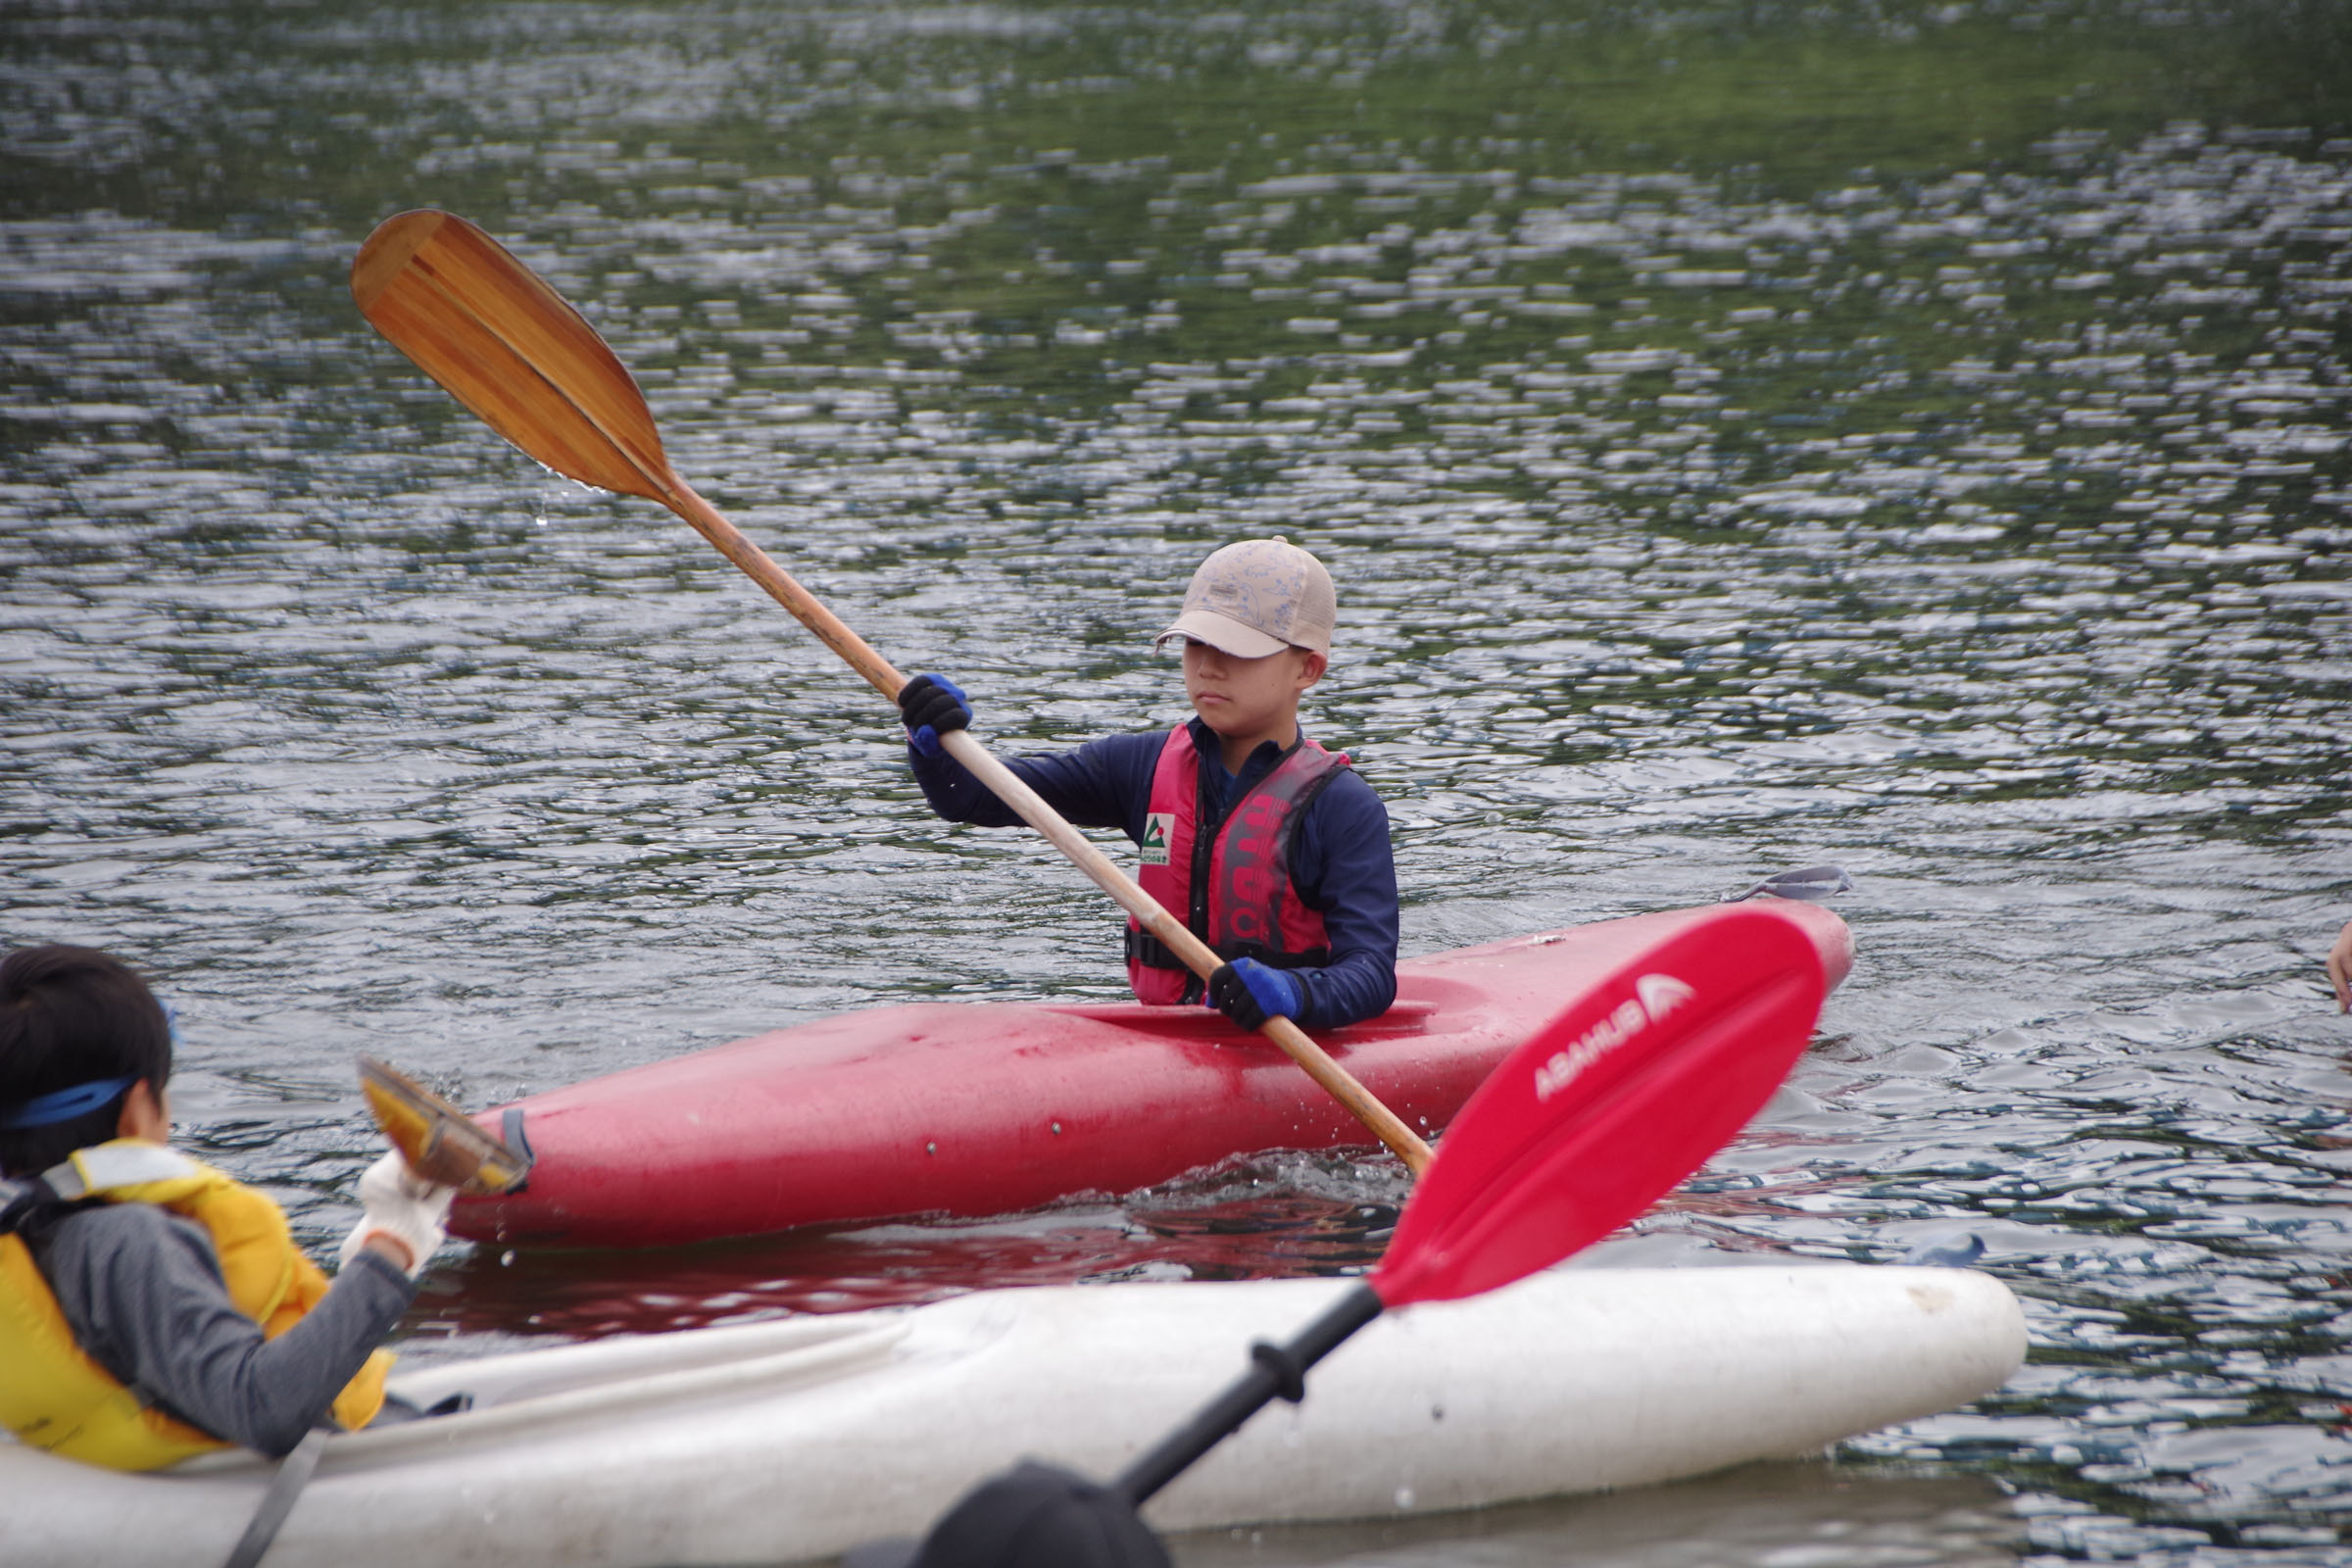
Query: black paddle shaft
pixel 1275 1371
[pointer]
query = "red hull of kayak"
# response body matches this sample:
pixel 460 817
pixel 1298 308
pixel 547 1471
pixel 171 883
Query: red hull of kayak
pixel 972 1108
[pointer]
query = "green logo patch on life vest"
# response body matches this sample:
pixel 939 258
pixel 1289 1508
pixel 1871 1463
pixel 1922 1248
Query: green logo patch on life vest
pixel 1158 826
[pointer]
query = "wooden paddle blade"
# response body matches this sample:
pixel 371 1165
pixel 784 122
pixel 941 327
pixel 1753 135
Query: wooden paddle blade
pixel 1609 1106
pixel 512 349
pixel 440 1143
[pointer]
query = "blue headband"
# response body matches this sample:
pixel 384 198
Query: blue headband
pixel 47 1110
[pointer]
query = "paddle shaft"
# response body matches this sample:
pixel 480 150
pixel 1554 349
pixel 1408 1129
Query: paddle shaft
pixel 1275 1371
pixel 1197 956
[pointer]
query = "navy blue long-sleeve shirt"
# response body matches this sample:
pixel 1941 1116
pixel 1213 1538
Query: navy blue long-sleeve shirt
pixel 1340 862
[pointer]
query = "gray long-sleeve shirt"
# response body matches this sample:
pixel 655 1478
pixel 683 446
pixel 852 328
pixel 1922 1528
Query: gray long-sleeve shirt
pixel 142 1290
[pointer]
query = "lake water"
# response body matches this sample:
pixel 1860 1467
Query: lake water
pixel 1743 436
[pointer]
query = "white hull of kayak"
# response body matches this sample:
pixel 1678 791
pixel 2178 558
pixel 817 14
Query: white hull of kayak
pixel 781 1442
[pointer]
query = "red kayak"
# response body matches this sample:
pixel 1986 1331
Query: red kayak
pixel 971 1108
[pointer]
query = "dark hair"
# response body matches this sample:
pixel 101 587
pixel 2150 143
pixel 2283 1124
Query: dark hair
pixel 68 1017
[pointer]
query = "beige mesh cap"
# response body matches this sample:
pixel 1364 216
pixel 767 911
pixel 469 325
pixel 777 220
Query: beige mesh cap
pixel 1257 598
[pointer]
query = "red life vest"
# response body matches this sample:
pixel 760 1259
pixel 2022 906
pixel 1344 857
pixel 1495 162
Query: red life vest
pixel 1229 881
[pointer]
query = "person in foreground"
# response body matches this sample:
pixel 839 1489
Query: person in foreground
pixel 151 1307
pixel 1272 850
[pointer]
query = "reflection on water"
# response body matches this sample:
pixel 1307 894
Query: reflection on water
pixel 1909 436
pixel 1768 1515
pixel 1284 1215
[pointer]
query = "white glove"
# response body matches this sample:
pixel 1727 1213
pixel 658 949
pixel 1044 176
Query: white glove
pixel 399 1204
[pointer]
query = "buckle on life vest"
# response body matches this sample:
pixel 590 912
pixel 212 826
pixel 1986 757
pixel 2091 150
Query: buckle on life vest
pixel 21 1200
pixel 1310 958
pixel 1149 951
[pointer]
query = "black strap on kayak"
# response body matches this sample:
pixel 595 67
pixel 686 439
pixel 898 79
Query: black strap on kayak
pixel 293 1474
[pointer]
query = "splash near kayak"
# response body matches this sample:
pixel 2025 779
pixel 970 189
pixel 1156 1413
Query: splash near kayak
pixel 970 1109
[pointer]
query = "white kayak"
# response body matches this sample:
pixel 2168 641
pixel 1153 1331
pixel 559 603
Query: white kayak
pixel 781 1442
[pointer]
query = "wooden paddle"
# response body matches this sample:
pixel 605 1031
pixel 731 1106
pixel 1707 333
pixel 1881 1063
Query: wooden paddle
pixel 508 347
pixel 1608 1107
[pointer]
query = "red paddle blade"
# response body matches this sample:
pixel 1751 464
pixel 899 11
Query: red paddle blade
pixel 1609 1107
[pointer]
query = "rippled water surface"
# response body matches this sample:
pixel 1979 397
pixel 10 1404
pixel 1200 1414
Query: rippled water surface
pixel 1909 436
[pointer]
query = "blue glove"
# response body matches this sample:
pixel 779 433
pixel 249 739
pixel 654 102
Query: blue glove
pixel 932 706
pixel 1250 993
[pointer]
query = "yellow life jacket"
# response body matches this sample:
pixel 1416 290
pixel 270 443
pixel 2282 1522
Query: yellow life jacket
pixel 54 1395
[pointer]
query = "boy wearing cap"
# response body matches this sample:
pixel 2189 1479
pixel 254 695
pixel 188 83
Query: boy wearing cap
pixel 1271 849
pixel 151 1307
